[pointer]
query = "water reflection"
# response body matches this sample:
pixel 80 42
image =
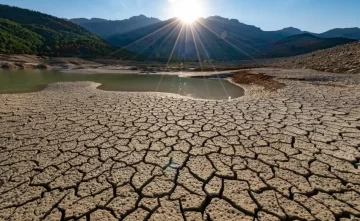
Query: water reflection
pixel 216 89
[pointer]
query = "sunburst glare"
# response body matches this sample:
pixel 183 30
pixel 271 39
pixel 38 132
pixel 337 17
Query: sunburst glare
pixel 187 10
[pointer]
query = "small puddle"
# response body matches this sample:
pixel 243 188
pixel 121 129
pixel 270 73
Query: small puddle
pixel 214 89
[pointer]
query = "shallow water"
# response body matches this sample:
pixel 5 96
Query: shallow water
pixel 215 89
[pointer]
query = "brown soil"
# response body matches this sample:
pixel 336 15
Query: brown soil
pixel 268 82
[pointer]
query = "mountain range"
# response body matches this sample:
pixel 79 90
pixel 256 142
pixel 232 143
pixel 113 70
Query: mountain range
pixel 214 38
pixel 140 37
pixel 107 28
pixel 300 44
pixel 217 38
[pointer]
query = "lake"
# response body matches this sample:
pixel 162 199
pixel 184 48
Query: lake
pixel 21 81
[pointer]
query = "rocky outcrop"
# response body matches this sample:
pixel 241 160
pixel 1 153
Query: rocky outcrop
pixel 340 59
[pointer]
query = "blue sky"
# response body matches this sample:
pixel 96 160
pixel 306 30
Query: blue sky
pixel 309 15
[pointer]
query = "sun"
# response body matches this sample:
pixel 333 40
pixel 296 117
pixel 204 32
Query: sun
pixel 187 10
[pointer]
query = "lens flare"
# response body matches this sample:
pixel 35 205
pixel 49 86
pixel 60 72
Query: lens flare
pixel 187 10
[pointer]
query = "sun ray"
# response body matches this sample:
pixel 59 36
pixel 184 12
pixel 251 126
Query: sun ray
pixel 198 55
pixel 170 56
pixel 231 44
pixel 156 39
pixel 152 33
pixel 196 47
pixel 213 66
pixel 180 43
pixel 169 35
pixel 177 40
pixel 239 37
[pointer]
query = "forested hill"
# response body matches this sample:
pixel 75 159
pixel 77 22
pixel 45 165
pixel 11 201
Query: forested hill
pixel 31 32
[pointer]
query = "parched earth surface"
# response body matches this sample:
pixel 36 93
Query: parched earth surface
pixel 72 152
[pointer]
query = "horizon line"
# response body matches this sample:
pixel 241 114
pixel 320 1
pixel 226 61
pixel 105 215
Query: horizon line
pixel 160 20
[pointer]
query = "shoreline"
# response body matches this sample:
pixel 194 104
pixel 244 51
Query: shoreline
pixel 252 81
pixel 103 86
pixel 79 65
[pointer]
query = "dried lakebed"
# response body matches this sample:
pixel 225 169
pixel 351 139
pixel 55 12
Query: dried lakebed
pixel 200 88
pixel 72 152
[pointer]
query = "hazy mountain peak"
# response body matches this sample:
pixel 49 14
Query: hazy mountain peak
pixel 234 22
pixel 353 33
pixel 106 28
pixel 347 29
pixel 219 18
pixel 133 18
pixel 143 17
pixel 139 16
pixel 291 31
pixel 97 19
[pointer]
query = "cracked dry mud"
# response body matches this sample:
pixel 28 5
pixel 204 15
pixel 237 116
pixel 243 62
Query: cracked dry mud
pixel 72 152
